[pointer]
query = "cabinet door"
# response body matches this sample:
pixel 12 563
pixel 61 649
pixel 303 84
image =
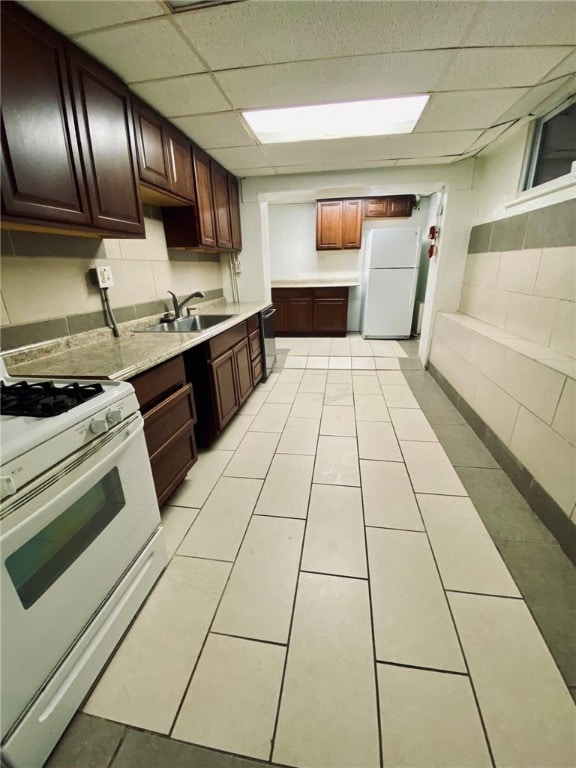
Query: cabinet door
pixel 243 370
pixel 330 315
pixel 106 131
pixel 328 225
pixel 224 388
pixel 281 316
pixel 41 168
pixel 300 315
pixel 150 146
pixel 375 207
pixel 400 206
pixel 221 205
pixel 234 199
pixel 351 223
pixel 204 198
pixel 180 163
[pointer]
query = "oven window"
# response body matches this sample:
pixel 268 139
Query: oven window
pixel 41 561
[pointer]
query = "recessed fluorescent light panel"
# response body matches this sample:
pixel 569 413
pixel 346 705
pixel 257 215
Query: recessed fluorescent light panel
pixel 379 117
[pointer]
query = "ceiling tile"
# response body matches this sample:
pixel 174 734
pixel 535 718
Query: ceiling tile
pixel 182 96
pixel 298 30
pixel 555 91
pixel 244 173
pixel 499 67
pixel 444 160
pixel 338 151
pixel 523 22
pixel 224 129
pixel 72 18
pixel 241 157
pixel 566 67
pixel 144 51
pixel 333 80
pixel 461 110
pixel 341 165
pixel 489 136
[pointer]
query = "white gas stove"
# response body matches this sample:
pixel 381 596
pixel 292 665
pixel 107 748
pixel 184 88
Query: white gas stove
pixel 81 546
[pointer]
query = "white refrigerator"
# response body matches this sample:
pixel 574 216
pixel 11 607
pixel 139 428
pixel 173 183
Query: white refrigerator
pixel 390 275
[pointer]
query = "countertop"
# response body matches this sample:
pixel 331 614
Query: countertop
pixel 317 282
pixel 134 352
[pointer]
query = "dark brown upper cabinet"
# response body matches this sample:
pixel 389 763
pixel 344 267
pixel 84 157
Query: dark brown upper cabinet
pixel 164 159
pixel 399 206
pixel 234 200
pixel 338 224
pixel 221 206
pixel 68 160
pixel 42 175
pixel 204 199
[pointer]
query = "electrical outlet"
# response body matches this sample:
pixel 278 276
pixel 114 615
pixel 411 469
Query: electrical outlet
pixel 104 277
pixel 238 266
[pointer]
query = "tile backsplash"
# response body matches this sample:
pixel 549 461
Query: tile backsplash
pixel 47 292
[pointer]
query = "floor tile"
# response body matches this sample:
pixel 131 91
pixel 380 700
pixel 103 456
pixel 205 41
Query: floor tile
pixel 527 710
pixel 338 420
pixel 398 349
pixel 340 351
pixel 232 436
pixel 463 447
pixel 399 397
pixel 89 742
pixel 412 623
pixel 467 558
pixel 168 753
pixel 371 408
pixel 308 405
pixel 334 541
pixel 392 379
pixel 430 469
pixel 254 455
pixel 317 362
pixel 283 392
pixel 220 526
pixel 411 424
pixel 266 386
pixel 337 461
pixel 386 363
pixel 389 500
pixel 257 602
pixel 254 403
pixel 366 385
pixel 363 363
pixel 439 410
pixel 338 394
pixel 320 348
pixel 313 383
pixel 328 711
pixel 300 436
pixel 272 416
pixel 296 361
pixel 147 677
pixel 341 362
pixel 233 697
pixel 201 479
pixel 339 377
pixel 176 521
pixel 429 719
pixel 376 440
pixel 287 377
pixel 382 348
pixel 287 487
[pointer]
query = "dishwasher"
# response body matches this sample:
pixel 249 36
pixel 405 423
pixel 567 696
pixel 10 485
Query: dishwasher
pixel 268 336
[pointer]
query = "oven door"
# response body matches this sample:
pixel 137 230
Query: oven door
pixel 66 539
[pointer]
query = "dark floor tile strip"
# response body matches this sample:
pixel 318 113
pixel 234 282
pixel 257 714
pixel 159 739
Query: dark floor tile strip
pixel 338 575
pixel 424 669
pixel 251 639
pixel 541 502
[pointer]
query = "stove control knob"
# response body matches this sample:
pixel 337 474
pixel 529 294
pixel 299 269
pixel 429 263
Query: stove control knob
pixel 98 426
pixel 114 417
pixel 7 487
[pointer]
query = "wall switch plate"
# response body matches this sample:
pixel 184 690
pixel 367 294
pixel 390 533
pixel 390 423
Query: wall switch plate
pixel 104 277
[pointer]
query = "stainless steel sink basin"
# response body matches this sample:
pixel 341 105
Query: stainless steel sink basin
pixel 191 324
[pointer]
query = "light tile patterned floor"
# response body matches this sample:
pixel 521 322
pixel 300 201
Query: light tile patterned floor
pixel 334 599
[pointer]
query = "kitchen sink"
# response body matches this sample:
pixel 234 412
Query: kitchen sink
pixel 192 324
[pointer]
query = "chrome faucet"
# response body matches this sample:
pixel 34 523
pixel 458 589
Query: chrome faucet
pixel 178 306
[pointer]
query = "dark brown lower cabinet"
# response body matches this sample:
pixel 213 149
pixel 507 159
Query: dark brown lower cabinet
pixel 255 348
pixel 167 404
pixel 310 311
pixel 224 387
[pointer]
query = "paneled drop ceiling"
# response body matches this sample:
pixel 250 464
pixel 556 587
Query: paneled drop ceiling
pixel 485 64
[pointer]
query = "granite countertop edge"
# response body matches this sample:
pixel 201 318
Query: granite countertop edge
pixel 132 353
pixel 317 282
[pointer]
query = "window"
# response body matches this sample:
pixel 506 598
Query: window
pixel 554 145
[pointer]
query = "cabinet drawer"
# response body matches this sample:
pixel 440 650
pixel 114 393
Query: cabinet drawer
pixel 253 323
pixel 167 418
pixel 257 369
pixel 225 341
pixel 170 466
pixel 331 293
pixel 255 347
pixel 159 382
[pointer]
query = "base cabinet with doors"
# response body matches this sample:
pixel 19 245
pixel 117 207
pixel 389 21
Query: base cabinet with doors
pixel 320 311
pixel 222 371
pixel 167 403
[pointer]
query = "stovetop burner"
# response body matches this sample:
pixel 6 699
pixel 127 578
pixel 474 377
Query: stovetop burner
pixel 44 398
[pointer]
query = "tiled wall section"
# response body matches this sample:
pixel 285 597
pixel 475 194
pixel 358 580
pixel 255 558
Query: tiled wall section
pixel 46 292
